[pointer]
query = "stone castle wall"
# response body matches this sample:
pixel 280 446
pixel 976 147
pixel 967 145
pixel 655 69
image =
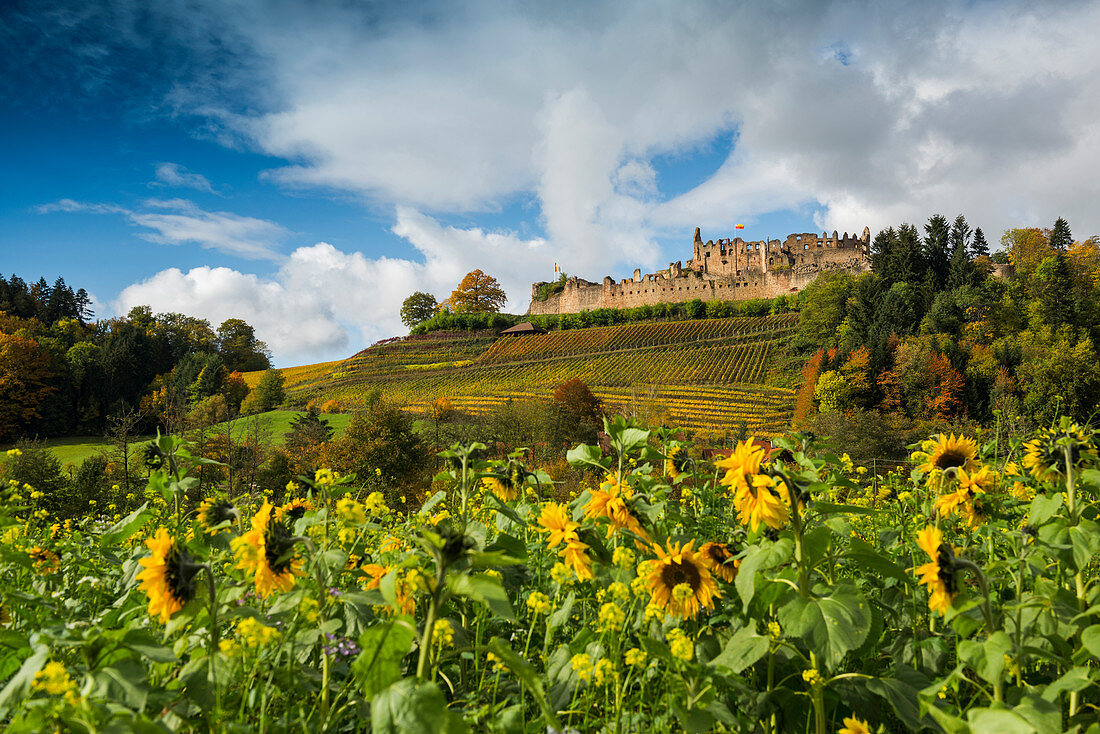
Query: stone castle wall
pixel 725 270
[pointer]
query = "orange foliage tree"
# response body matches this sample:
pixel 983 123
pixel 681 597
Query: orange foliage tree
pixel 804 402
pixel 24 383
pixel 477 293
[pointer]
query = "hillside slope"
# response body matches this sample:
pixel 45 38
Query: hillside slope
pixel 712 374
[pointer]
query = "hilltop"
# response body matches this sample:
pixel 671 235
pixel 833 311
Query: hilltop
pixel 721 375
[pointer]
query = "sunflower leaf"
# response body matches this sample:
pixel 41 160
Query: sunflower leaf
pixel 832 625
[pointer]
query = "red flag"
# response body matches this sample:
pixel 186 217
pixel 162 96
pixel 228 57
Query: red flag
pixel 738 226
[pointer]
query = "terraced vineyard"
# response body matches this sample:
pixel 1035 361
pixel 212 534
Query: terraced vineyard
pixel 709 373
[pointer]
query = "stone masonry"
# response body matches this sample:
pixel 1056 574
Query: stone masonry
pixel 724 270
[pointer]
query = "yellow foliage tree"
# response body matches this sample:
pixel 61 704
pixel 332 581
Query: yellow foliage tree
pixel 477 293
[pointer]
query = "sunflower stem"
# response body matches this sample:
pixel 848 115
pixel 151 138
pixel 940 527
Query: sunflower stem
pixel 215 642
pixel 1078 580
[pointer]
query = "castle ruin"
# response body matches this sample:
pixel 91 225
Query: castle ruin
pixel 724 270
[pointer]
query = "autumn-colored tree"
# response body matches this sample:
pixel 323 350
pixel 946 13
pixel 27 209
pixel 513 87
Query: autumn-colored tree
pixel 945 394
pixel 1026 247
pixel 24 383
pixel 855 371
pixel 804 402
pixel 234 389
pixel 477 293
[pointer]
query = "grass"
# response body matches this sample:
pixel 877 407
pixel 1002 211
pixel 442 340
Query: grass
pixel 72 450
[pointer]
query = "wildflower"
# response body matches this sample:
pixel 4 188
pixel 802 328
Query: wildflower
pixel 575 557
pixel 582 666
pixel 852 725
pixel 14 453
pixel 681 565
pixel 719 559
pixel 54 680
pixel 561 574
pixel 611 617
pixel 443 634
pixel 654 612
pixel 635 657
pixel 538 602
pixel 214 512
pixel 619 591
pixel 375 504
pixel 169 576
pixel 677 461
pixel 679 644
pixel 742 464
pixel 623 557
pixel 339 646
pixel 309 609
pixel 603 672
pixel 45 560
pixel 254 633
pixel 350 511
pixel 763 500
pixel 812 677
pixel 498 664
pixel 939 573
pixel 229 647
pixel 774 630
pixel 947 452
pixel 267 552
pixel 554 520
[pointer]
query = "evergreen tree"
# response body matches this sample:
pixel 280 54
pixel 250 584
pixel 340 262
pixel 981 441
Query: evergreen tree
pixel 908 264
pixel 978 246
pixel 937 252
pixel 307 430
pixel 961 271
pixel 1061 239
pixel 960 234
pixel 882 249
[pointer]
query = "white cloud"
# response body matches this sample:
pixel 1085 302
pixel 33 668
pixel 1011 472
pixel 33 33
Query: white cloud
pixel 179 222
pixel 323 303
pixel 173 174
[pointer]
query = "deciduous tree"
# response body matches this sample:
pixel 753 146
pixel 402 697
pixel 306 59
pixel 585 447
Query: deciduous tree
pixel 417 308
pixel 477 293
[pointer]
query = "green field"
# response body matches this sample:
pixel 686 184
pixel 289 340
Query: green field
pixel 72 450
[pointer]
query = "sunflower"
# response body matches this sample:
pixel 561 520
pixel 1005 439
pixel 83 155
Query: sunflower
pixel 506 486
pixel 577 559
pixel 677 461
pixel 169 576
pixel 947 452
pixel 1044 455
pixel 969 496
pixel 610 501
pixel 679 581
pixel 215 512
pixel 267 552
pixel 743 464
pixel 555 521
pixel 939 573
pixel 292 511
pixel 852 725
pixel 374 574
pixel 719 559
pixel 45 560
pixel 765 500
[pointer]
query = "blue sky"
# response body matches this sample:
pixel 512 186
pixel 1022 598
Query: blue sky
pixel 306 166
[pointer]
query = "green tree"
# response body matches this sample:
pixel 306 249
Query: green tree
pixel 240 349
pixel 823 304
pixel 1061 239
pixel 380 446
pixel 937 248
pixel 307 431
pixel 978 246
pixel 418 308
pixel 477 293
pixel 269 391
pixel 832 392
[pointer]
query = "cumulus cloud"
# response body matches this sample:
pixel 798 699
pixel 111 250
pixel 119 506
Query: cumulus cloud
pixel 175 175
pixel 179 222
pixel 323 303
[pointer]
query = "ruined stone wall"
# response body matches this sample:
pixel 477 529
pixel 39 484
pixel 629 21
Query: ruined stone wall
pixel 725 270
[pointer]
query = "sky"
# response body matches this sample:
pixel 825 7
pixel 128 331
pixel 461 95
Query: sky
pixel 306 166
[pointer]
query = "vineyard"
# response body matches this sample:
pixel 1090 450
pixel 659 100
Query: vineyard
pixel 707 374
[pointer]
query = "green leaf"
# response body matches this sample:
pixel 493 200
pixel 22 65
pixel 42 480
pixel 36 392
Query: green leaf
pixel 742 650
pixel 20 683
pixel 585 454
pixel 630 439
pixel 1074 679
pixel 902 698
pixel 830 625
pixel 562 614
pixel 123 682
pixel 504 509
pixel 526 673
pixel 997 721
pixel 1090 638
pixel 760 559
pixel 410 706
pixel 125 527
pixel 434 500
pixel 866 557
pixel 484 589
pixel 1043 508
pixel 1085 538
pixel 382 648
pixel 987 658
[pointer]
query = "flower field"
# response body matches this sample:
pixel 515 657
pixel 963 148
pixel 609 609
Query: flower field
pixel 772 591
pixel 709 373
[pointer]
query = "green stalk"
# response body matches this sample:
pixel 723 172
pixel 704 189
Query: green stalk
pixel 1078 579
pixel 215 643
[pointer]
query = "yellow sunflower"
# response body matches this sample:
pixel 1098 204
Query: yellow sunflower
pixel 554 520
pixel 45 560
pixel 293 510
pixel 505 486
pixel 267 552
pixel 719 559
pixel 764 500
pixel 679 581
pixel 610 501
pixel 852 725
pixel 947 452
pixel 214 512
pixel 169 576
pixel 743 464
pixel 939 573
pixel 576 558
pixel 677 461
pixel 968 496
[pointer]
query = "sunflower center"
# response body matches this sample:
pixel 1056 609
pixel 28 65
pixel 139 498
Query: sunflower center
pixel 719 553
pixel 278 548
pixel 951 458
pixel 675 574
pixel 180 572
pixel 945 559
